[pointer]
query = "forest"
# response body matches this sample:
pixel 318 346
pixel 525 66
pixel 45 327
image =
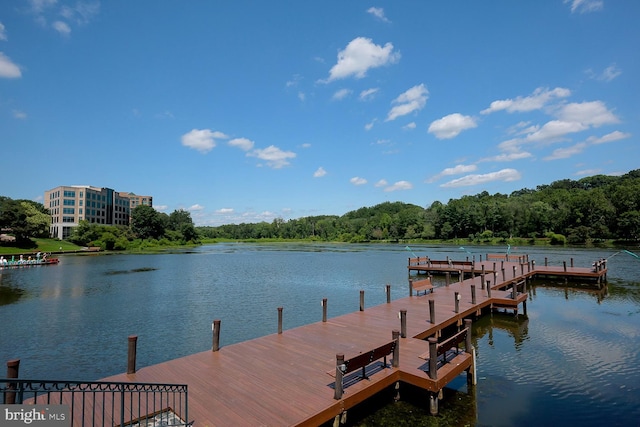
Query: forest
pixel 587 210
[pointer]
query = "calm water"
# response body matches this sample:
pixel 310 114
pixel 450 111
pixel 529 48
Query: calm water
pixel 573 360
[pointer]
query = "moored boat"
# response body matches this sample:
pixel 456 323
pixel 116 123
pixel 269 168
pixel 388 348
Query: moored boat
pixel 29 262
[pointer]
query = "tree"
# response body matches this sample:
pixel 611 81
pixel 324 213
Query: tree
pixel 146 222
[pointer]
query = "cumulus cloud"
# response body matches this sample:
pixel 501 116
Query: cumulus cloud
pixel 356 180
pixel 537 100
pixel 242 143
pixel 456 170
pixel 450 126
pixel 360 55
pixel 196 207
pixel 400 185
pixel 273 156
pixel 8 69
pixel 202 140
pixel 224 211
pixel 585 6
pixel 505 175
pixel 381 183
pixel 414 99
pixel 3 32
pixel 319 173
pixel 378 12
pixel 593 113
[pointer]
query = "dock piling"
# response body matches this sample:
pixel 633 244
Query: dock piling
pixel 338 385
pixel 395 335
pixel 473 294
pixel 215 327
pixel 280 319
pixel 403 323
pixel 457 301
pixel 432 311
pixel 131 354
pixel 324 310
pixel 362 300
pixel 388 290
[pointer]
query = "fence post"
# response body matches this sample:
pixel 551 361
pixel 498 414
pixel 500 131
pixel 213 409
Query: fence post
pixel 324 310
pixel 280 319
pixel 403 323
pixel 215 327
pixel 362 300
pixel 457 302
pixel 473 294
pixel 564 265
pixel 338 386
pixel 489 288
pixel 432 311
pixel 131 354
pixel 13 370
pixel 410 287
pixel 447 278
pixel 388 289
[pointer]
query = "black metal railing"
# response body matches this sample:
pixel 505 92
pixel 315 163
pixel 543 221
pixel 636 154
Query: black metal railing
pixel 104 403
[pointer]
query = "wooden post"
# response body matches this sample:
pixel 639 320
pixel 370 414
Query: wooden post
pixel 388 289
pixel 433 403
pixel 533 264
pixel 433 358
pixel 280 319
pixel 457 302
pixel 131 354
pixel 571 262
pixel 324 310
pixel 403 323
pixel 215 327
pixel 410 287
pixel 546 261
pixel 338 385
pixel 13 370
pixel 362 300
pixel 473 294
pixel 564 265
pixel 514 291
pixel 447 277
pixel 395 334
pixel 467 342
pixel 514 271
pixel 489 288
pixel 460 276
pixel 432 311
pixel 482 277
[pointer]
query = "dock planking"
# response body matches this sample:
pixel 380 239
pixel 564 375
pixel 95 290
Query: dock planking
pixel 281 379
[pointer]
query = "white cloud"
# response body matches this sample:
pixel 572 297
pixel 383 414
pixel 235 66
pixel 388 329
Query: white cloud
pixel 39 6
pixel 369 125
pixel 563 153
pixel 585 6
pixel 368 94
pixel 356 180
pixel 450 126
pixel 610 137
pixel 62 27
pixel 202 140
pixel 341 94
pixel 275 157
pixel 400 185
pixel 224 211
pixel 413 99
pixel 381 183
pixel 160 208
pixel 3 32
pixel 360 55
pixel 82 12
pixel 378 12
pixel 319 173
pixel 555 130
pixel 8 69
pixel 593 113
pixel 408 126
pixel 508 157
pixel 590 172
pixel 242 143
pixel 456 170
pixel 196 207
pixel 505 175
pixel 537 100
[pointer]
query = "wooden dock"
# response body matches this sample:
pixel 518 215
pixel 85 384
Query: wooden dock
pixel 289 378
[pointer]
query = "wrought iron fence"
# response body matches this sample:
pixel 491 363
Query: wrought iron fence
pixel 117 404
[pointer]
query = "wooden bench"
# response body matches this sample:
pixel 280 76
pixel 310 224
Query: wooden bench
pixel 423 285
pixel 450 346
pixel 361 361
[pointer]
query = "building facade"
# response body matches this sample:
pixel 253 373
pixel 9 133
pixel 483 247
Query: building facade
pixel 68 205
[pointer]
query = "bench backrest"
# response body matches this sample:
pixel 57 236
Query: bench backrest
pixel 363 359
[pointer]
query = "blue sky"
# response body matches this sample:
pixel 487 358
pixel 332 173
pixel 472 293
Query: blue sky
pixel 248 111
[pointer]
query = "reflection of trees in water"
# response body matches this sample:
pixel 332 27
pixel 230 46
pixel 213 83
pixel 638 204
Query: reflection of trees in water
pixel 515 326
pixel 571 288
pixel 9 294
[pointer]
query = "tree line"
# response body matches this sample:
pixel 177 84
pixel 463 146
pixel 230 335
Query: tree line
pixel 580 211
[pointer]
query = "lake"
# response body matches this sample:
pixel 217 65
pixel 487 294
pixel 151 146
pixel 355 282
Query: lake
pixel 574 359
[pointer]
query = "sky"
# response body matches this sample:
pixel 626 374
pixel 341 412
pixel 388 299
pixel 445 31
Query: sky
pixel 246 111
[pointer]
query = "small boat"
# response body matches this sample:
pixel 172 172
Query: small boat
pixel 29 262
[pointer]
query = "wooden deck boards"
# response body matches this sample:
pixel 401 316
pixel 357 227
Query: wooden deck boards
pixel 281 379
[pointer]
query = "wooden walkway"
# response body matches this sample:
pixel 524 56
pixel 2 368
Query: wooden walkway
pixel 282 379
